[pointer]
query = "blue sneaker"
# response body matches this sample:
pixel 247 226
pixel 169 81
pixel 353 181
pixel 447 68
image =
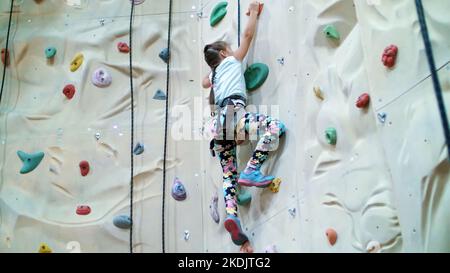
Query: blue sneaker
pixel 233 226
pixel 255 179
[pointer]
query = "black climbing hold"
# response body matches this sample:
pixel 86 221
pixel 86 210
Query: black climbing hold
pixel 165 55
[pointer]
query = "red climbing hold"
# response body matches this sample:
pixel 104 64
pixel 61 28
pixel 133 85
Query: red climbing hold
pixel 69 91
pixel 332 236
pixel 84 168
pixel 389 56
pixel 261 6
pixel 83 210
pixel 123 47
pixel 363 101
pixel 5 56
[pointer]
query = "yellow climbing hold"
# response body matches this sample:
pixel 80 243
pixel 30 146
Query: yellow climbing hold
pixel 318 93
pixel 275 185
pixel 44 248
pixel 76 62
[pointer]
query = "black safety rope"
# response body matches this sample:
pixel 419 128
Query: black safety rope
pixel 239 23
pixel 7 55
pixel 132 126
pixel 434 74
pixel 169 32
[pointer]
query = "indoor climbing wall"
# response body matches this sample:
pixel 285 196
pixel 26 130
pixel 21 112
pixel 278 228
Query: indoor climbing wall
pixel 363 164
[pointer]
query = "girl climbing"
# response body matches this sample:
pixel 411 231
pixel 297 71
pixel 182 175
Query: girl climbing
pixel 232 124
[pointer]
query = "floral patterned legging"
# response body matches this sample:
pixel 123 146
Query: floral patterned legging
pixel 252 123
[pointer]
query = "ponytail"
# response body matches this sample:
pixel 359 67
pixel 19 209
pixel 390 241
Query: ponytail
pixel 213 59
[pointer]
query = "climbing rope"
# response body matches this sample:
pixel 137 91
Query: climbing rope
pixel 6 50
pixel 239 23
pixel 132 126
pixel 434 74
pixel 166 128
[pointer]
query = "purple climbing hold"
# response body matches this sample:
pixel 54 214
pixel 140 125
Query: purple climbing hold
pixel 214 208
pixel 178 190
pixel 137 2
pixel 101 78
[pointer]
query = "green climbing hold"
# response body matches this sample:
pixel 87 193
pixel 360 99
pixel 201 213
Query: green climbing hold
pixel 331 136
pixel 331 32
pixel 256 75
pixel 30 161
pixel 50 52
pixel 218 13
pixel 244 197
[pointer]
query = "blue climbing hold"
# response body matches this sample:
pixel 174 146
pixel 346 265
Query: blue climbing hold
pixel 178 190
pixel 30 161
pixel 165 55
pixel 160 95
pixel 122 221
pixel 50 52
pixel 138 149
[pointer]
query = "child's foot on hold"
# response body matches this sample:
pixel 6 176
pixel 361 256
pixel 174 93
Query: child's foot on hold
pixel 246 248
pixel 254 178
pixel 233 226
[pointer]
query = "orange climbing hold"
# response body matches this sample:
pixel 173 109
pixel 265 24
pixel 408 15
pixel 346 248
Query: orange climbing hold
pixel 5 56
pixel 363 101
pixel 84 168
pixel 69 91
pixel 331 235
pixel 83 210
pixel 389 56
pixel 123 47
pixel 275 185
pixel 261 7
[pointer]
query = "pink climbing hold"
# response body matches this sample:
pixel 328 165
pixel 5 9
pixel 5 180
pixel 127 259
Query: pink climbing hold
pixel 69 91
pixel 123 47
pixel 84 168
pixel 83 210
pixel 389 56
pixel 5 56
pixel 331 235
pixel 363 101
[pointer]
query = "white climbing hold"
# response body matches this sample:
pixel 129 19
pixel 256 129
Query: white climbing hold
pixel 373 247
pixel 292 211
pixel 271 249
pixel 101 77
pixel 382 117
pixel 281 60
pixel 97 136
pixel 186 235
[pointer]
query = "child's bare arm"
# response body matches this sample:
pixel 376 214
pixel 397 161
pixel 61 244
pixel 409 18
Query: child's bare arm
pixel 206 83
pixel 249 32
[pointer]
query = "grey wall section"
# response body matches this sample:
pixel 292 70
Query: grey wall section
pixel 383 183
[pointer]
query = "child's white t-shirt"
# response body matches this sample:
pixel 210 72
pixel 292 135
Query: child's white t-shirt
pixel 229 80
